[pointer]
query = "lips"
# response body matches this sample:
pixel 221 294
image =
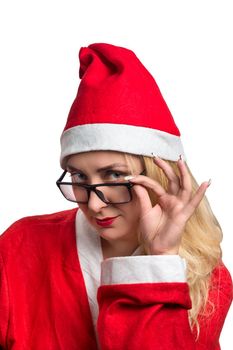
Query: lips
pixel 106 221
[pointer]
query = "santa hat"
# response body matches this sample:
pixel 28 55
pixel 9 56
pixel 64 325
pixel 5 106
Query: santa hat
pixel 118 107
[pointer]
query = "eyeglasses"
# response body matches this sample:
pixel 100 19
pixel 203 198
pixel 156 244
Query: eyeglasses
pixel 110 193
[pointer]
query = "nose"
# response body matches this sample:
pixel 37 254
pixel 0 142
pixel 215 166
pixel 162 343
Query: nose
pixel 95 204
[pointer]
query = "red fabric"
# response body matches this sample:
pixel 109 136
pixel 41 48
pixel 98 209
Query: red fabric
pixel 116 88
pixel 44 305
pixel 154 315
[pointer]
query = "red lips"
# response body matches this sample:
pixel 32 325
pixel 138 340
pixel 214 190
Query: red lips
pixel 106 221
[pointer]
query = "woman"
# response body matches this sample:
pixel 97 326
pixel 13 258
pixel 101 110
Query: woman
pixel 138 265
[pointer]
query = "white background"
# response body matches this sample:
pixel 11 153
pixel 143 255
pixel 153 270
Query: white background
pixel 187 46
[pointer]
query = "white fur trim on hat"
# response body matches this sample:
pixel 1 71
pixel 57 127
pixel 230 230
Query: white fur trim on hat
pixel 122 138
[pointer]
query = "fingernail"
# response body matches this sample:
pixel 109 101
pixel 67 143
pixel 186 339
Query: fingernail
pixel 209 182
pixel 129 177
pixel 154 155
pixel 181 157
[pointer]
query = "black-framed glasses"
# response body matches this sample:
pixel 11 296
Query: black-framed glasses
pixel 110 193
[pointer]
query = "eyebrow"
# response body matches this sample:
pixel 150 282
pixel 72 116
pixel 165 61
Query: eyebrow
pixel 108 167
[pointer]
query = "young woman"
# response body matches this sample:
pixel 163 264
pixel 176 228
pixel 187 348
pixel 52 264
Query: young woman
pixel 138 264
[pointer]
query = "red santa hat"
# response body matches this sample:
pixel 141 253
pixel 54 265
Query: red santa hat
pixel 118 107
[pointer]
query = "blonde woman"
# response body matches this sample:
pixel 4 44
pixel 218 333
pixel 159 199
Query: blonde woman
pixel 138 264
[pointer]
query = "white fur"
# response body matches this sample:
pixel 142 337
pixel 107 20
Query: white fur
pixel 122 138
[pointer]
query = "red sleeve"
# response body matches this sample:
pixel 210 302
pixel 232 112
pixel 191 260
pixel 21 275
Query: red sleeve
pixel 4 306
pixel 153 316
pixel 220 296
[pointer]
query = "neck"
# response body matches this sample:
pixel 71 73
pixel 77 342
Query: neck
pixel 113 249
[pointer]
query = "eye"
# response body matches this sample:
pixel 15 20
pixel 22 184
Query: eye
pixel 115 175
pixel 77 177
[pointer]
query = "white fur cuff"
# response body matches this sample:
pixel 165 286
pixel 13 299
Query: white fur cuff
pixel 143 269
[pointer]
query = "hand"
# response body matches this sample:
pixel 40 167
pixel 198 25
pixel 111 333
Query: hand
pixel 161 226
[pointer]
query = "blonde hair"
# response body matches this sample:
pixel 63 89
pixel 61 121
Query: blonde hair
pixel 200 245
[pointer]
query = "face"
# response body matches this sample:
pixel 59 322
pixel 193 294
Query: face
pixel 104 167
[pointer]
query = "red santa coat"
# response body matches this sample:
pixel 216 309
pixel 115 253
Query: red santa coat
pixel 44 301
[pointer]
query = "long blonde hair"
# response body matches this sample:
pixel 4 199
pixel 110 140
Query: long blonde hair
pixel 200 245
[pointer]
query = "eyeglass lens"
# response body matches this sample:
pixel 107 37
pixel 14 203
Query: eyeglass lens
pixel 110 194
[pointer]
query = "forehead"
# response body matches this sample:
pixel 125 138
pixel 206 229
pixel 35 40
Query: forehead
pixel 99 159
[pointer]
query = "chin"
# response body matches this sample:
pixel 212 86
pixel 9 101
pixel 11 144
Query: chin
pixel 109 233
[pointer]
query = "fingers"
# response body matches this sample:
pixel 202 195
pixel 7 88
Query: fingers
pixel 178 186
pixel 195 201
pixel 185 180
pixel 148 183
pixel 174 181
pixel 144 199
pixel 182 184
